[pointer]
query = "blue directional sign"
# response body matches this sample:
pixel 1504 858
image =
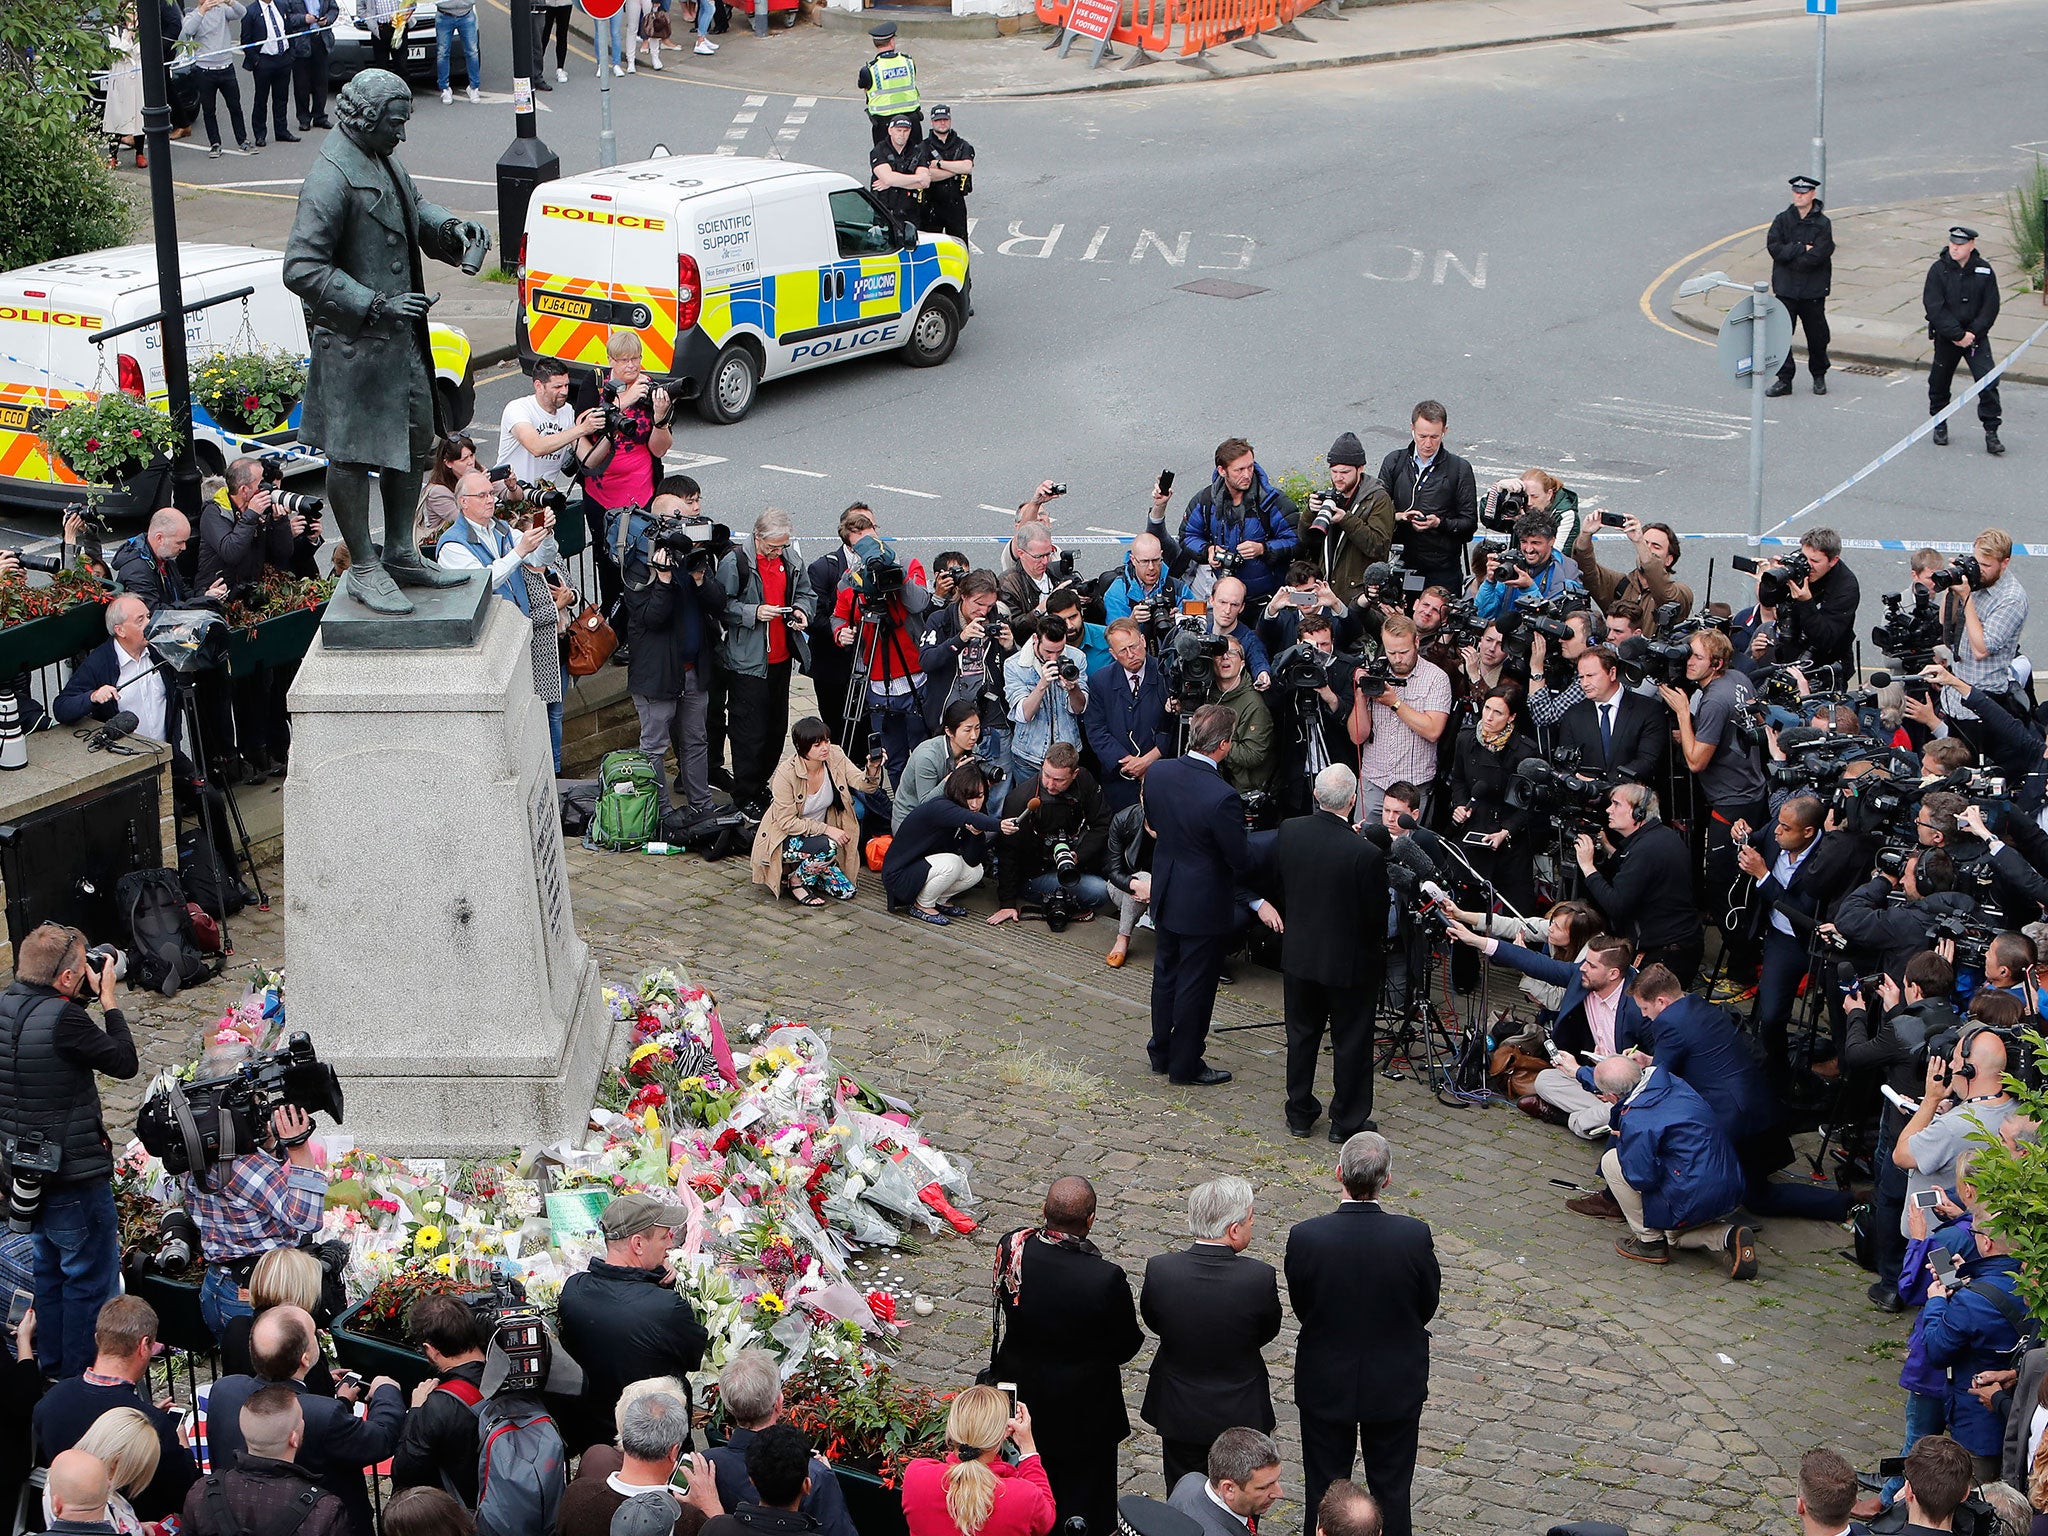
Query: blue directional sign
pixel 1822 8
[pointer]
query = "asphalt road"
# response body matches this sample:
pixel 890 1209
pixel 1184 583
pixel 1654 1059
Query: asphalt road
pixel 1481 229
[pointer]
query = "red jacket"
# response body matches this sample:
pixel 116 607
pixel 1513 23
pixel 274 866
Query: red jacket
pixel 899 658
pixel 1023 1504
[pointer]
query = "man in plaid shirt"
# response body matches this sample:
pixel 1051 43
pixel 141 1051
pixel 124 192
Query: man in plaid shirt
pixel 1986 630
pixel 260 1201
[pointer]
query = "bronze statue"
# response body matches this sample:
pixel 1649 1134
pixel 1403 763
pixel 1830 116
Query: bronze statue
pixel 354 261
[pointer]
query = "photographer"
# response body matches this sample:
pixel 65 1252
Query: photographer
pixel 537 431
pixel 1061 805
pixel 1984 624
pixel 671 627
pixel 1915 1014
pixel 1726 766
pixel 1303 594
pixel 1540 491
pixel 1949 821
pixel 1489 664
pixel 1554 680
pixel 963 650
pixel 237 542
pixel 1126 723
pixel 1436 500
pixel 1541 572
pixel 1239 523
pixel 1048 694
pixel 1352 523
pixel 1650 584
pixel 1962 1097
pixel 1025 587
pixel 1398 716
pixel 1616 733
pixel 941 850
pixel 438 1446
pixel 1874 922
pixel 1250 762
pixel 884 601
pixel 1328 680
pixel 1093 639
pixel 1817 617
pixel 1645 888
pixel 149 563
pixel 933 760
pixel 768 610
pixel 1143 589
pixel 2006 738
pixel 620 462
pixel 1226 604
pixel 1800 871
pixel 48 1095
pixel 1498 838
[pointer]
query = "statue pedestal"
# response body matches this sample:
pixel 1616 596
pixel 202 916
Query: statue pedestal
pixel 430 950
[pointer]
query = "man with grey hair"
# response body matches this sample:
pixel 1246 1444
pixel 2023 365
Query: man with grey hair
pixel 769 607
pixel 1215 1310
pixel 147 563
pixel 652 1433
pixel 1364 1285
pixel 1239 1483
pixel 750 1391
pixel 1671 1169
pixel 1331 887
pixel 1025 588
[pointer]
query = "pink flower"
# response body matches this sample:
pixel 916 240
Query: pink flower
pixel 92 445
pixel 135 431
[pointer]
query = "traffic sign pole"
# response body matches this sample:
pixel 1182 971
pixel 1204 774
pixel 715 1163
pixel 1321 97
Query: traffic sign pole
pixel 1759 316
pixel 1820 92
pixel 604 31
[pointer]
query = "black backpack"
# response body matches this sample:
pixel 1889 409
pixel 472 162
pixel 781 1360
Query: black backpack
pixel 163 953
pixel 206 882
pixel 717 836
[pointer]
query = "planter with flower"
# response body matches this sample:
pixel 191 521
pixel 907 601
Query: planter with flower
pixel 112 442
pixel 50 622
pixel 251 392
pixel 274 619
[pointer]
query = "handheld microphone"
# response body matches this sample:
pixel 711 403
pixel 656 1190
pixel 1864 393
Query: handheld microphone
pixel 1410 856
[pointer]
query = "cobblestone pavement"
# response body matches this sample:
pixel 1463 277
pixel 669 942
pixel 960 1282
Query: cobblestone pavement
pixel 1568 1382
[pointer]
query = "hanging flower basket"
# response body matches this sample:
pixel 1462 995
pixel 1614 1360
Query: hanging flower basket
pixel 253 391
pixel 104 441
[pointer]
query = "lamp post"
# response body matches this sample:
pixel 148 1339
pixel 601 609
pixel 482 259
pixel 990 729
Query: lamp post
pixel 526 162
pixel 170 286
pixel 1754 340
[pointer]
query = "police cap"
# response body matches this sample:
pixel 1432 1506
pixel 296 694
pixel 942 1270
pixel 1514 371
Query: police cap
pixel 1804 184
pixel 883 32
pixel 1958 235
pixel 942 114
pixel 900 122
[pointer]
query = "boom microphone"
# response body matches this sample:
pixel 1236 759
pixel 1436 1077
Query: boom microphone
pixel 1409 855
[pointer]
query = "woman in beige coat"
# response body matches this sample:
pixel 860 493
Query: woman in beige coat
pixel 809 842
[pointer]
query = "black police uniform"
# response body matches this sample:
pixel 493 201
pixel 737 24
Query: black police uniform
pixel 1961 299
pixel 1802 271
pixel 945 202
pixel 904 202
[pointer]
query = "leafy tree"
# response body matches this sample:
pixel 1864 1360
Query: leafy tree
pixel 2012 1185
pixel 59 194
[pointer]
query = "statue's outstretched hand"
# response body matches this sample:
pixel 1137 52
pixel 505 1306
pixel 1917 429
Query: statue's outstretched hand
pixel 406 306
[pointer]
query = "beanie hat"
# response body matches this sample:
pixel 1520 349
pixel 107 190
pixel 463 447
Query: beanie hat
pixel 1347 450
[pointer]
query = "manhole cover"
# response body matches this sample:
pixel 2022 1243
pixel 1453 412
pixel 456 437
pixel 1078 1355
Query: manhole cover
pixel 1216 288
pixel 1868 370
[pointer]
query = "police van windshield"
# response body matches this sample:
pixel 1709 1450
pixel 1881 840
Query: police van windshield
pixel 862 228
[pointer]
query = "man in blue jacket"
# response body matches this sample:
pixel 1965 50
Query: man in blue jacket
pixel 1672 1169
pixel 1969 1325
pixel 1239 512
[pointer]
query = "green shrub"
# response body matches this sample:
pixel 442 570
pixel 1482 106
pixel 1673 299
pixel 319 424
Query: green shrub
pixel 60 198
pixel 2023 211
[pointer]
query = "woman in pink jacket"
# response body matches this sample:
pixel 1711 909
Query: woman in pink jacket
pixel 973 1492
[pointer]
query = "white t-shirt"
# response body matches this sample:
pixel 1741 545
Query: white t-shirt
pixel 528 468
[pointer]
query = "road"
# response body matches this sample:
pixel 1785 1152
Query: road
pixel 1483 229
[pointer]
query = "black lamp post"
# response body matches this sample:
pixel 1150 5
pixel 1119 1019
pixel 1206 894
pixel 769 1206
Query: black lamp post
pixel 527 162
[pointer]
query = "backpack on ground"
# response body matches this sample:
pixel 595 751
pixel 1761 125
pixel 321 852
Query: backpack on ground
pixel 579 804
pixel 520 1467
pixel 628 803
pixel 206 878
pixel 163 952
pixel 720 835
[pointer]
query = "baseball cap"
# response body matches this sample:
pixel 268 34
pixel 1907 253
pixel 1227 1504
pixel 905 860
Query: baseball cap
pixel 939 113
pixel 653 1513
pixel 634 1212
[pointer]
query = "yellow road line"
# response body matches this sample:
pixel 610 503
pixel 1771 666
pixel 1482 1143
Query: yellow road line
pixel 1671 271
pixel 200 186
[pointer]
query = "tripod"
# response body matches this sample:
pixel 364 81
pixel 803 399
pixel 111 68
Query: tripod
pixel 878 627
pixel 186 705
pixel 1421 1038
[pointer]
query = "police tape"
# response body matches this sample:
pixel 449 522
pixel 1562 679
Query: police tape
pixel 1927 426
pixel 1894 546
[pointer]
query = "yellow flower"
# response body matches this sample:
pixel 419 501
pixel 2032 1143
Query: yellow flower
pixel 691 1084
pixel 445 1264
pixel 651 1120
pixel 769 1302
pixel 641 1053
pixel 427 1239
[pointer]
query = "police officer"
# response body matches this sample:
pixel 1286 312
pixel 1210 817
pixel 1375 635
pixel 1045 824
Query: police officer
pixel 949 161
pixel 1961 299
pixel 890 80
pixel 899 176
pixel 1802 247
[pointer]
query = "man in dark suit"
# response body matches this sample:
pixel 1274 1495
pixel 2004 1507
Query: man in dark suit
pixel 309 63
pixel 338 1445
pixel 273 32
pixel 1614 729
pixel 1240 1482
pixel 1363 1283
pixel 1214 1311
pixel 1201 854
pixel 1126 720
pixel 1645 885
pixel 1068 1328
pixel 1335 884
pixel 1801 871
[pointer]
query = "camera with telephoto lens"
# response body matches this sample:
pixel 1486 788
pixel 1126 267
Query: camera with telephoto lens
pixel 547 498
pixel 1971 938
pixel 1055 822
pixel 1069 670
pixel 1774 581
pixel 1963 571
pixel 1751 720
pixel 193 1126
pixel 1909 636
pixel 1186 664
pixel 31 1159
pixel 177 1242
pixel 1499 512
pixel 297 501
pixel 1324 505
pixel 1555 792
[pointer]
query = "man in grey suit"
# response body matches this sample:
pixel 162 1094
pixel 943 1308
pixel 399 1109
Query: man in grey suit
pixel 1242 1483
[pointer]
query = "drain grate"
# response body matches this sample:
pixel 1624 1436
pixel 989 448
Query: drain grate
pixel 1216 288
pixel 1868 370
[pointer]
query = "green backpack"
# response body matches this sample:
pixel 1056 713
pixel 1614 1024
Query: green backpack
pixel 628 803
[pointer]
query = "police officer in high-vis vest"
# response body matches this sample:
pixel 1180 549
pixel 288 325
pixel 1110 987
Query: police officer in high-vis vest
pixel 890 80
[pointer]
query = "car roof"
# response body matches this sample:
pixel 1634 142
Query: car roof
pixel 697 175
pixel 194 260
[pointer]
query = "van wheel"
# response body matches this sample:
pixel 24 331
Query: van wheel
pixel 934 333
pixel 728 392
pixel 209 460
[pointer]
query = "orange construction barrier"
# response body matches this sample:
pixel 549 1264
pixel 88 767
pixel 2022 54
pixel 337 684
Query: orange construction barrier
pixel 1149 28
pixel 1053 13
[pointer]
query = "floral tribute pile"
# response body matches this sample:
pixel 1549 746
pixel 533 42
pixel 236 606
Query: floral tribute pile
pixel 784 1163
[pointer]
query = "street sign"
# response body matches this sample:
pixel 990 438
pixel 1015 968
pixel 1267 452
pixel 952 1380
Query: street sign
pixel 1094 19
pixel 604 10
pixel 1822 8
pixel 1734 345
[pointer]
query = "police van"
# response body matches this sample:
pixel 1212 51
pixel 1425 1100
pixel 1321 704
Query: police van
pixel 732 271
pixel 48 313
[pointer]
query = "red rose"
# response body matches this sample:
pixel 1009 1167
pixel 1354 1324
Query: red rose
pixel 135 431
pixel 727 1140
pixel 883 1305
pixel 92 445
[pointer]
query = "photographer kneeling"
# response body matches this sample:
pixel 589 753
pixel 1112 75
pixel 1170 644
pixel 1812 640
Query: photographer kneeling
pixel 940 850
pixel 268 1198
pixel 55 1136
pixel 1057 852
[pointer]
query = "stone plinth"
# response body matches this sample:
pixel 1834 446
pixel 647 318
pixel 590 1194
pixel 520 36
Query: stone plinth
pixel 429 944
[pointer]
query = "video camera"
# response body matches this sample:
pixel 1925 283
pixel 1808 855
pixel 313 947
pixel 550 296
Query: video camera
pixel 1391 581
pixel 1556 792
pixel 1775 579
pixel 1963 571
pixel 194 1126
pixel 695 543
pixel 1660 661
pixel 1185 663
pixel 881 575
pixel 1302 665
pixel 1377 676
pixel 1909 637
pixel 187 640
pixel 1501 511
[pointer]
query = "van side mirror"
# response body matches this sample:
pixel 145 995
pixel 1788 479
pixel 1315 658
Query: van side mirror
pixel 906 234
